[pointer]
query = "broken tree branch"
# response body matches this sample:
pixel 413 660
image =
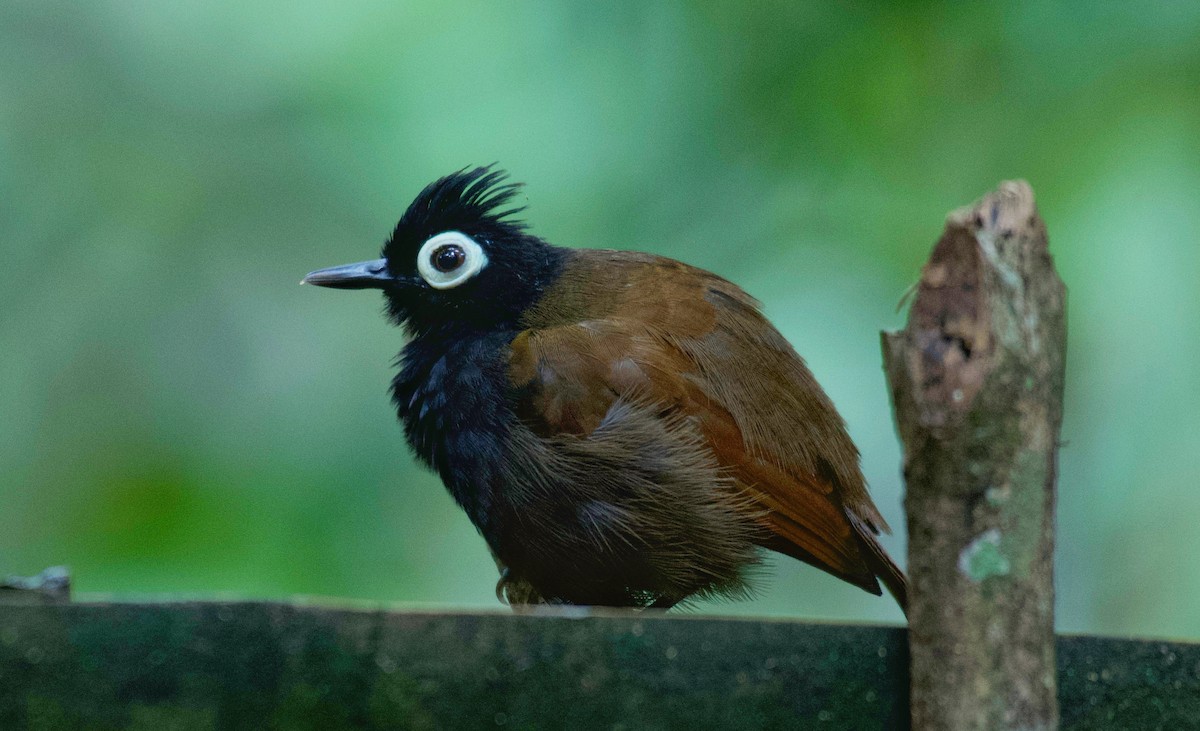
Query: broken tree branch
pixel 977 384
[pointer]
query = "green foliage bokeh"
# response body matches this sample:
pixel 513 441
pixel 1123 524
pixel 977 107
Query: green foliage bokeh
pixel 179 416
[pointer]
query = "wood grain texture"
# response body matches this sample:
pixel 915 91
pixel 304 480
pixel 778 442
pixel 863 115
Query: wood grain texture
pixel 977 385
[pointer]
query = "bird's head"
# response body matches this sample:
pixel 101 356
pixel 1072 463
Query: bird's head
pixel 456 258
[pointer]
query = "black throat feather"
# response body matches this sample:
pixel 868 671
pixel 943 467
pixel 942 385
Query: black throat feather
pixel 451 394
pixel 452 390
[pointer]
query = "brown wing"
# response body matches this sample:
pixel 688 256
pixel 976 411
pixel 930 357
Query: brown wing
pixel 621 324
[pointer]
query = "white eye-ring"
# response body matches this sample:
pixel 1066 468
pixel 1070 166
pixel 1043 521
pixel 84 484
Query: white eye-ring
pixel 449 259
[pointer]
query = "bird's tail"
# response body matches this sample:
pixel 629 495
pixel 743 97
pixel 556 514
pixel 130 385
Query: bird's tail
pixel 880 562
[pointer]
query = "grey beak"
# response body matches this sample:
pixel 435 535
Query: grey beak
pixel 361 275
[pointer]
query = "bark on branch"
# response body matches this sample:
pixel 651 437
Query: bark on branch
pixel 977 382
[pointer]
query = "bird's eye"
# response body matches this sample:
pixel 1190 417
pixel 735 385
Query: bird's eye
pixel 449 259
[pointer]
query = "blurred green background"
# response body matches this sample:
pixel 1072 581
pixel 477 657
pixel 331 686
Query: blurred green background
pixel 179 416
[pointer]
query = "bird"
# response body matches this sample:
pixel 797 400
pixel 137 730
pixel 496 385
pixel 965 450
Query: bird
pixel 622 429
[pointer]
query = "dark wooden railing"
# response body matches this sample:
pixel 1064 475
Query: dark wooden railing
pixel 212 665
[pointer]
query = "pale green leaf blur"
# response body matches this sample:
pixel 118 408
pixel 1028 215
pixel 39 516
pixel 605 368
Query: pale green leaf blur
pixel 180 417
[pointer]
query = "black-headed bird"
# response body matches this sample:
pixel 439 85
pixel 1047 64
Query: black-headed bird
pixel 623 429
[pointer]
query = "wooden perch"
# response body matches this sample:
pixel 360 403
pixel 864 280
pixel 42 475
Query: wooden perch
pixel 977 385
pixel 254 665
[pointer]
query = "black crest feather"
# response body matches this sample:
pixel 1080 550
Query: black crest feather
pixel 472 200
